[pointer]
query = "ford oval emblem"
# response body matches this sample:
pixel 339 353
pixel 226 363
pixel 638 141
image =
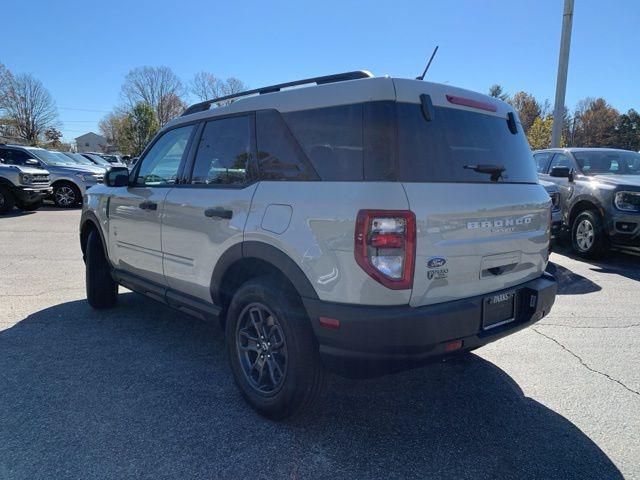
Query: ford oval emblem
pixel 436 262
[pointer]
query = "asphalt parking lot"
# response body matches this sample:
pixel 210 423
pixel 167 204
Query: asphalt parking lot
pixel 142 391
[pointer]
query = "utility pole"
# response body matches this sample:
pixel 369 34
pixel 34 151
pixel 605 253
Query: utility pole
pixel 563 66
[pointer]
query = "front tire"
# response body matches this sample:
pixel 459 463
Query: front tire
pixel 588 236
pixel 6 200
pixel 66 195
pixel 272 349
pixel 102 290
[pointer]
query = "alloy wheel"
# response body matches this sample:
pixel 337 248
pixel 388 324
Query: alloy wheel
pixel 65 196
pixel 585 235
pixel 261 349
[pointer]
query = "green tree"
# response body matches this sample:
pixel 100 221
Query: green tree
pixel 528 109
pixel 539 135
pixel 496 91
pixel 138 128
pixel 628 131
pixel 595 124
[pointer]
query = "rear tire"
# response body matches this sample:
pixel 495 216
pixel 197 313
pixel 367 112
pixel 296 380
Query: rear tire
pixel 30 207
pixel 102 290
pixel 6 200
pixel 272 349
pixel 66 195
pixel 588 236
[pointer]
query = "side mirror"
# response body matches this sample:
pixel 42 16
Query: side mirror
pixel 117 177
pixel 1 160
pixel 562 172
pixel 32 161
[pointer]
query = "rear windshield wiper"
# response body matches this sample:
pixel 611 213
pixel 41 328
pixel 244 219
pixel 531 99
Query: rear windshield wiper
pixel 494 170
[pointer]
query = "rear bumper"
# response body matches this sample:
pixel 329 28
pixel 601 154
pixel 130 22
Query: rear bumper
pixel 374 340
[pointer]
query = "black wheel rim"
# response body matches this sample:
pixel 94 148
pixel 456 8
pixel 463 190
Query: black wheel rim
pixel 65 196
pixel 261 349
pixel 1 200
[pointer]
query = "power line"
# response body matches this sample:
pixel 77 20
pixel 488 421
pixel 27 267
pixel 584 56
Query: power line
pixel 83 109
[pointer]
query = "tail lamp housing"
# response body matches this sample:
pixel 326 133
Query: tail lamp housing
pixel 385 246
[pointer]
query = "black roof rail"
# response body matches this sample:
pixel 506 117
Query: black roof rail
pixel 338 77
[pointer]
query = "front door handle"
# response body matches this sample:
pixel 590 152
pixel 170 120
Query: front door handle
pixel 148 206
pixel 218 212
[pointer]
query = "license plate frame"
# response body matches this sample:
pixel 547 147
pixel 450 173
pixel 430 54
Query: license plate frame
pixel 498 309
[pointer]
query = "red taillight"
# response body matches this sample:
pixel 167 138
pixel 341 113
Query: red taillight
pixel 385 246
pixel 470 102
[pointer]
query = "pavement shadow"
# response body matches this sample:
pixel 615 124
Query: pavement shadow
pixel 618 262
pixel 16 213
pixel 142 391
pixel 570 283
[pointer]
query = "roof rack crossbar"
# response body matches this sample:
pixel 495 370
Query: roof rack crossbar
pixel 339 77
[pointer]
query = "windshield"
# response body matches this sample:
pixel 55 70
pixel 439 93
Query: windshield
pixel 97 159
pixel 111 158
pixel 79 158
pixel 604 162
pixel 52 158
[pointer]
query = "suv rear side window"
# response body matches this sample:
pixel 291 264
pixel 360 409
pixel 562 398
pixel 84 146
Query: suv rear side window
pixel 279 155
pixel 224 152
pixel 439 150
pixel 332 139
pixel 14 157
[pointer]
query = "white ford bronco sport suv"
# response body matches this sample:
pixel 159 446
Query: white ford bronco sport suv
pixel 360 226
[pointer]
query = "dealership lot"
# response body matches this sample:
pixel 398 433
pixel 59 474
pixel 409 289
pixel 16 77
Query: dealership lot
pixel 142 391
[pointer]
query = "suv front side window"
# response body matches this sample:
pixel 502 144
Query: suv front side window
pixel 542 161
pixel 560 160
pixel 161 163
pixel 224 152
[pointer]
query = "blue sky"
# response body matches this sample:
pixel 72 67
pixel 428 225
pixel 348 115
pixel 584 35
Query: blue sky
pixel 82 50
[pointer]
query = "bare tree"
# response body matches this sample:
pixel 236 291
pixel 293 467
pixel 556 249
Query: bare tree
pixel 155 86
pixel 5 81
pixel 206 86
pixel 29 107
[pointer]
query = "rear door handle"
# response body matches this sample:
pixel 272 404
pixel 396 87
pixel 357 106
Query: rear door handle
pixel 148 206
pixel 218 212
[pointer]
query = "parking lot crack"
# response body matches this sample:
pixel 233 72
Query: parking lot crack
pixel 584 364
pixel 596 327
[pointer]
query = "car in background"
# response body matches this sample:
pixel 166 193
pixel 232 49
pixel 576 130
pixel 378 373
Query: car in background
pixel 556 207
pixel 82 160
pixel 113 160
pixel 21 185
pixel 96 159
pixel 599 192
pixel 69 179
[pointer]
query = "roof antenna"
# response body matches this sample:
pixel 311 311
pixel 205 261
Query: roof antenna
pixel 421 77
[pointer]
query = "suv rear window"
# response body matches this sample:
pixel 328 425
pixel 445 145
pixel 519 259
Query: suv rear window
pixel 438 150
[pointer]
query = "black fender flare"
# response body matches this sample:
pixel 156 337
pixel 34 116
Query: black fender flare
pixel 90 217
pixel 267 253
pixel 584 198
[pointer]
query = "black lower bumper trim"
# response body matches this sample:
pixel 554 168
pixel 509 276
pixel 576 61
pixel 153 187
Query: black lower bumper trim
pixel 374 340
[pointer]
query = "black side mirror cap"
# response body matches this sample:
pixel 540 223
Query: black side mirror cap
pixel 511 122
pixel 562 172
pixel 117 177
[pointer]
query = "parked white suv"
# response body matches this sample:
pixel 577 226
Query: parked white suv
pixel 361 226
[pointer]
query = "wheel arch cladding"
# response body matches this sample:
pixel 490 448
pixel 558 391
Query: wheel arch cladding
pixel 88 223
pixel 584 204
pixel 249 260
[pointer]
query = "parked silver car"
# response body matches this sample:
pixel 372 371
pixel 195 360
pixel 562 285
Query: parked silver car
pixel 361 226
pixel 69 179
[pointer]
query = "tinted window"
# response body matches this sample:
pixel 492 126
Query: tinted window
pixel 279 155
pixel 608 161
pixel 380 149
pixel 439 150
pixel 560 160
pixel 14 157
pixel 542 161
pixel 332 139
pixel 224 152
pixel 160 164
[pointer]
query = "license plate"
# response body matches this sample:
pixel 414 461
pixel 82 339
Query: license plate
pixel 498 309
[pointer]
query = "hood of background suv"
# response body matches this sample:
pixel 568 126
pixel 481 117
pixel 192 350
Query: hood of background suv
pixel 25 169
pixel 613 179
